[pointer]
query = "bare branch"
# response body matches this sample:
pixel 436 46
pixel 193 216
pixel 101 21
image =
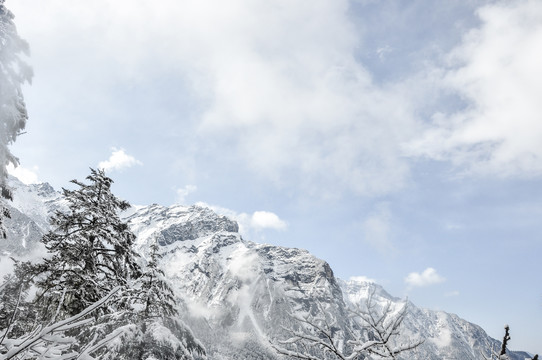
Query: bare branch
pixel 381 324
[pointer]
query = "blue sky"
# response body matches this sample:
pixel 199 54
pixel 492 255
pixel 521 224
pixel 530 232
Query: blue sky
pixel 401 141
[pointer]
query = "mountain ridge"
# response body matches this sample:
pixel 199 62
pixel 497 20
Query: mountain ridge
pixel 238 296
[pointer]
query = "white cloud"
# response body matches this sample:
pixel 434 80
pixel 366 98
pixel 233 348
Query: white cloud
pixel 118 160
pixel 377 229
pixel 428 277
pixel 251 224
pixel 266 220
pixel 182 193
pixel 305 112
pixel 26 176
pixel 497 72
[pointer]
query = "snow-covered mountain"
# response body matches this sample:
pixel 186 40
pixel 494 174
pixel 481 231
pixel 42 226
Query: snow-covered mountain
pixel 239 296
pixel 31 208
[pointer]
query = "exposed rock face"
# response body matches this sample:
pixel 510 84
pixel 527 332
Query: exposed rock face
pixel 179 223
pixel 238 295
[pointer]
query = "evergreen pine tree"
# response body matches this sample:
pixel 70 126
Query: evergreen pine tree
pixel 17 315
pixel 13 73
pixel 91 251
pixel 155 294
pixel 91 254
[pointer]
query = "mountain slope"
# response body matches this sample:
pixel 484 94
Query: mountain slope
pixel 239 293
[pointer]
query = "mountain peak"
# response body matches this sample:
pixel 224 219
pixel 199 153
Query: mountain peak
pixel 168 224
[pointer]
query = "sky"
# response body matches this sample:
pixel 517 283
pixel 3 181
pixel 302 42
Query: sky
pixel 397 140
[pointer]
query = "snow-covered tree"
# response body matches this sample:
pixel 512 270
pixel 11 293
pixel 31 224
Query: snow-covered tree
pixel 153 291
pixel 50 342
pixel 502 355
pixel 169 339
pixel 157 333
pixel 90 254
pixel 14 72
pixel 17 314
pixel 90 251
pixel 383 326
pixel 315 338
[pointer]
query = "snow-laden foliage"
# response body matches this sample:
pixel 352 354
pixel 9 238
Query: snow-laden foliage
pixel 157 339
pixel 90 255
pixel 50 342
pixel 155 332
pixel 13 73
pixel 152 290
pixel 17 314
pixel 91 251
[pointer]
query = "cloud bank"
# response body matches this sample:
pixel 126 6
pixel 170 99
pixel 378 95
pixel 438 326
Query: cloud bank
pixel 281 86
pixel 277 83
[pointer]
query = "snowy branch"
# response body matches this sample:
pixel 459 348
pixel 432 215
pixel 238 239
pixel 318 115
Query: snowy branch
pixel 49 342
pixel 317 332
